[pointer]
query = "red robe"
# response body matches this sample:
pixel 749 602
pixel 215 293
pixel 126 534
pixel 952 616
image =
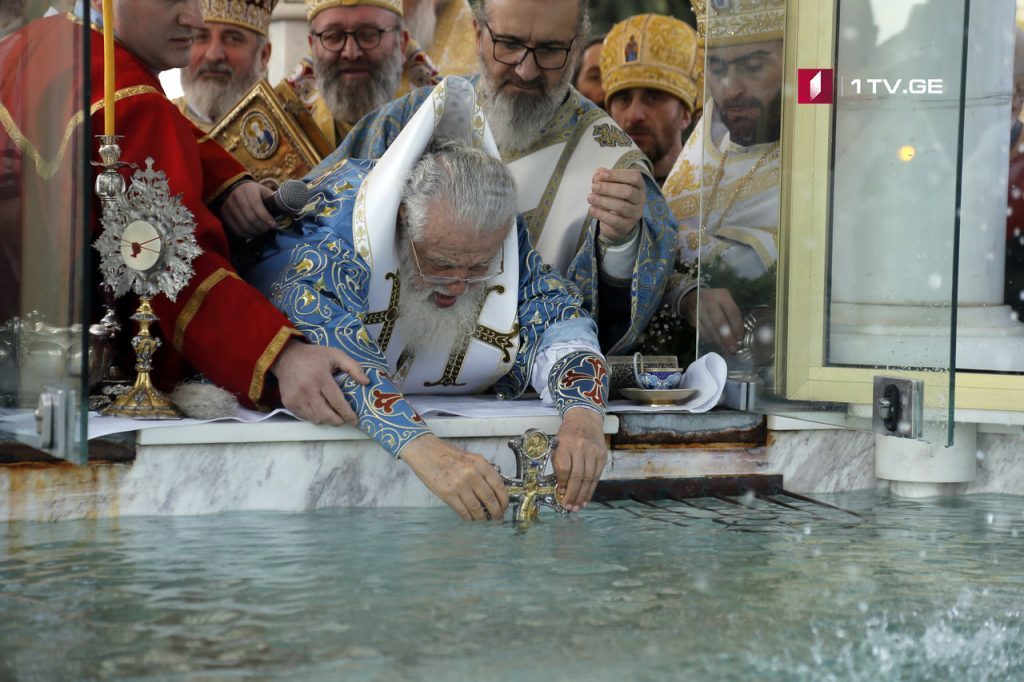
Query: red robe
pixel 218 325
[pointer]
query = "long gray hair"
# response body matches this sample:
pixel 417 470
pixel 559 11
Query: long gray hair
pixel 477 188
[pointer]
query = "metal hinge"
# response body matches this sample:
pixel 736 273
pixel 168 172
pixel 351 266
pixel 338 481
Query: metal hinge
pixel 55 425
pixel 898 407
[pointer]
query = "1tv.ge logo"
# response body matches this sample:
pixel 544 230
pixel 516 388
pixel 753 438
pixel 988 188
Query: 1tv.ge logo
pixel 814 86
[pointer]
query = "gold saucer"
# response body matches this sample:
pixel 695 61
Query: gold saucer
pixel 650 396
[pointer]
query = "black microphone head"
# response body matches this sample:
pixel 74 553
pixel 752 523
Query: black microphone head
pixel 292 195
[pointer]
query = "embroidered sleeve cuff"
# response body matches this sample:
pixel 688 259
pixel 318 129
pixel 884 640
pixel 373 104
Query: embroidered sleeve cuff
pixel 579 379
pixel 384 413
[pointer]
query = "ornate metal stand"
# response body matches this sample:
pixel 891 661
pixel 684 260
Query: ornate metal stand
pixel 147 246
pixel 143 400
pixel 109 183
pixel 531 487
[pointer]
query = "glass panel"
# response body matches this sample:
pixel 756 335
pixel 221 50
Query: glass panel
pixel 44 199
pixel 876 198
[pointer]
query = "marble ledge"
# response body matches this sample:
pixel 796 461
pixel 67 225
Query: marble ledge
pixel 288 430
pixel 189 479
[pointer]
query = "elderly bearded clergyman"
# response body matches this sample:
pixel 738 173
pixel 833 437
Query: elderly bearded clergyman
pixel 417 266
pixel 584 189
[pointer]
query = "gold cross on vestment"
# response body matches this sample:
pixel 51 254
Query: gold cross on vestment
pixel 387 317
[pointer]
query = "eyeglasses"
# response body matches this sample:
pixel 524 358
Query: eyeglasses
pixel 366 38
pixel 514 53
pixel 443 279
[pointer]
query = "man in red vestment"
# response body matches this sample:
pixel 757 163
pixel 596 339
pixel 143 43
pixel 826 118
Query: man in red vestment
pixel 218 325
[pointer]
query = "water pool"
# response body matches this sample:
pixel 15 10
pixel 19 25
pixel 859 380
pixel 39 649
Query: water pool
pixel 910 590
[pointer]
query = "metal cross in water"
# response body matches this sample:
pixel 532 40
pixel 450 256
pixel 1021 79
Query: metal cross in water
pixel 530 486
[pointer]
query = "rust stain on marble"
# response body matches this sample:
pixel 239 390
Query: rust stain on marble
pixel 51 491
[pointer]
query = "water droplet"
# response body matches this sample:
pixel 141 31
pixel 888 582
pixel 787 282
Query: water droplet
pixel 990 517
pixel 935 281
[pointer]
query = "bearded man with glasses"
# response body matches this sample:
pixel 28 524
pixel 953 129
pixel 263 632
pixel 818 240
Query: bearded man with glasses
pixel 585 191
pixel 360 51
pixel 418 267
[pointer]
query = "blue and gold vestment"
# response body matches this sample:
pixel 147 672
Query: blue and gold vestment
pixel 625 307
pixel 314 272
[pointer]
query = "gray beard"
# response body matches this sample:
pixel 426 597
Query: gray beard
pixel 349 101
pixel 434 327
pixel 517 120
pixel 211 99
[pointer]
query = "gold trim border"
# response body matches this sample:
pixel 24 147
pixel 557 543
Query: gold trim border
pixel 267 358
pixel 195 302
pixel 47 169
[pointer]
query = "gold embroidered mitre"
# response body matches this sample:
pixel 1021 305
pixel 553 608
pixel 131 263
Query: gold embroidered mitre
pixel 733 22
pixel 314 7
pixel 652 51
pixel 251 14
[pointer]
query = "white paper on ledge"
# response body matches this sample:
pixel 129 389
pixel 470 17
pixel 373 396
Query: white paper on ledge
pixel 706 374
pixel 475 406
pixel 100 426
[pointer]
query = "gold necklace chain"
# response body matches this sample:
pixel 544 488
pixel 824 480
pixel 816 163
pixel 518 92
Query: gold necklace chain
pixel 772 151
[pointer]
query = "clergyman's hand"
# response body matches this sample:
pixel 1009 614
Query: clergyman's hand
pixel 580 456
pixel 466 482
pixel 243 212
pixel 617 199
pixel 720 320
pixel 308 389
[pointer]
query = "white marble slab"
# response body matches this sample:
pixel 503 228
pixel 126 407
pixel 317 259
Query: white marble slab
pixel 1000 465
pixel 300 467
pixel 288 429
pixel 823 461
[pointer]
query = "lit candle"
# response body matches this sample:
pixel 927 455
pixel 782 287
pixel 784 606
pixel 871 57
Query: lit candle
pixel 108 67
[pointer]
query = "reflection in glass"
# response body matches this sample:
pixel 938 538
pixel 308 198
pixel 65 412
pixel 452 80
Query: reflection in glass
pixel 905 180
pixel 43 199
pixel 724 189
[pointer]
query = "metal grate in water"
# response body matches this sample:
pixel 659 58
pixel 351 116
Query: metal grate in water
pixel 750 512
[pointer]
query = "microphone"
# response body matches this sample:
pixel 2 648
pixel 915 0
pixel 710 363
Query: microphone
pixel 288 200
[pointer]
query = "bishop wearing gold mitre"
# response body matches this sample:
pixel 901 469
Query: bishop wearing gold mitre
pixel 724 188
pixel 229 56
pixel 361 57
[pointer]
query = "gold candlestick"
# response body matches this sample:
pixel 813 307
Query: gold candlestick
pixel 143 400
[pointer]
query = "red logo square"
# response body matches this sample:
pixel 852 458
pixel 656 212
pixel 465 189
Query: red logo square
pixel 814 86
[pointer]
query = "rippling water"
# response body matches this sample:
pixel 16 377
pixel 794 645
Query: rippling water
pixel 917 590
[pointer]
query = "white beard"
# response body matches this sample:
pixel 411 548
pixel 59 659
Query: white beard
pixel 434 327
pixel 212 99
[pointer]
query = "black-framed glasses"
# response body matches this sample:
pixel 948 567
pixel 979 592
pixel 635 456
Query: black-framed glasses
pixel 514 53
pixel 444 279
pixel 366 38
